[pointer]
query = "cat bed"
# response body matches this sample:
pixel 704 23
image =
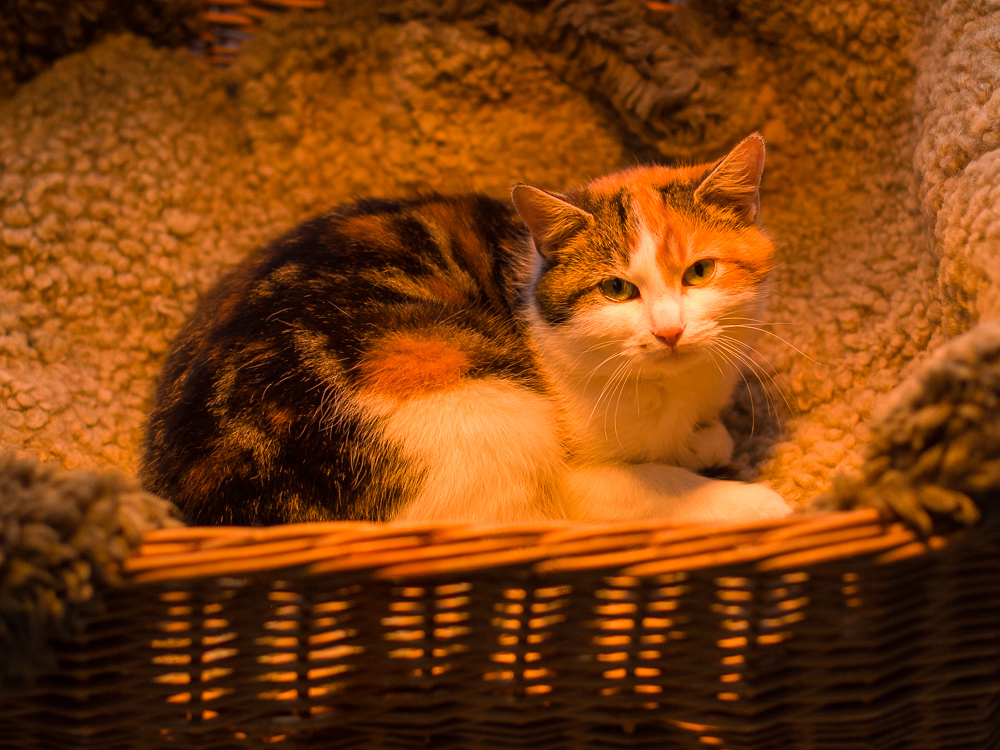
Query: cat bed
pixel 132 176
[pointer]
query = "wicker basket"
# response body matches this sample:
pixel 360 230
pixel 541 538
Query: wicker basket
pixel 835 631
pixel 229 23
pixel 826 631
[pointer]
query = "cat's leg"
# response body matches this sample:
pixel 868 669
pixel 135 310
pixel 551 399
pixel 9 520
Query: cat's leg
pixel 485 451
pixel 612 492
pixel 711 445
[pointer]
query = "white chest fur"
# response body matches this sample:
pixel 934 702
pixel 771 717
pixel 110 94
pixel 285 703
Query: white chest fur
pixel 637 419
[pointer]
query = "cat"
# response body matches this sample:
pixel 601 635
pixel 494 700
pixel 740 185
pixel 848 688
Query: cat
pixel 456 359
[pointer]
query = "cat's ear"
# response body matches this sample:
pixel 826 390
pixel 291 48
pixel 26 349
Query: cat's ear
pixel 735 181
pixel 549 218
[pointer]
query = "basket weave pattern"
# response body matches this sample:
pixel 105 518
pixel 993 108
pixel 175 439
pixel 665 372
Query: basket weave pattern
pixel 230 23
pixel 830 631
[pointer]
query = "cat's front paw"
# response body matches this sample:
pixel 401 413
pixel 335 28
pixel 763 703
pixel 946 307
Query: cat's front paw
pixel 758 502
pixel 717 500
pixel 711 445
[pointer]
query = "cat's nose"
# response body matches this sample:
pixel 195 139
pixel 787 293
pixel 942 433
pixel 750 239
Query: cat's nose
pixel 670 336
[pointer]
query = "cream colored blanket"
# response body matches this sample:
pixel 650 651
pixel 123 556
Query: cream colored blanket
pixel 130 177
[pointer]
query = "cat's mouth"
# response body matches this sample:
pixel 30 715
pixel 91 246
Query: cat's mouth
pixel 667 363
pixel 674 354
pixel 685 352
pixel 660 349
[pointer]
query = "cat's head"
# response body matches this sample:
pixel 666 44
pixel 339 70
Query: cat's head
pixel 653 265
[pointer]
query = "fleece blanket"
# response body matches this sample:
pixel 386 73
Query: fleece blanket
pixel 132 176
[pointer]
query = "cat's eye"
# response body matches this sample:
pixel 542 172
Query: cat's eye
pixel 699 272
pixel 619 290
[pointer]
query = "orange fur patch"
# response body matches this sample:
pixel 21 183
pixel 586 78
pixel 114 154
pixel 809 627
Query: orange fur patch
pixel 202 476
pixel 648 177
pixel 369 230
pixel 447 291
pixel 408 365
pixel 746 253
pixel 279 418
pixel 681 238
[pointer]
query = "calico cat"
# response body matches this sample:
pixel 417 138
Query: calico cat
pixel 449 358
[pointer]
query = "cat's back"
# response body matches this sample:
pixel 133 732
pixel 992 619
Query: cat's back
pixel 435 248
pixel 261 416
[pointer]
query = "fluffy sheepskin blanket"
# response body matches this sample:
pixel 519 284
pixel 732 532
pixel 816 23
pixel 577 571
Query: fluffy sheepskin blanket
pixel 131 177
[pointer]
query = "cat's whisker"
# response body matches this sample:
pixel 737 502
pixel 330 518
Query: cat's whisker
pixel 783 341
pixel 603 345
pixel 604 390
pixel 599 366
pixel 619 378
pixel 758 370
pixel 714 362
pixel 759 321
pixel 735 366
pixel 755 370
pixel 770 373
pixel 638 382
pixel 618 403
pixel 754 367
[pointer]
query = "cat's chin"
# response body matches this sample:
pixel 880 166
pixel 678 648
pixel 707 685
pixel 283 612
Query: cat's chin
pixel 670 361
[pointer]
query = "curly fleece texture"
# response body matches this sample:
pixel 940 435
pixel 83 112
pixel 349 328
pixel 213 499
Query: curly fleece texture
pixel 33 34
pixel 63 534
pixel 130 177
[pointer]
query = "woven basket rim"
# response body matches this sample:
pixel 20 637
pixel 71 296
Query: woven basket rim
pixel 647 548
